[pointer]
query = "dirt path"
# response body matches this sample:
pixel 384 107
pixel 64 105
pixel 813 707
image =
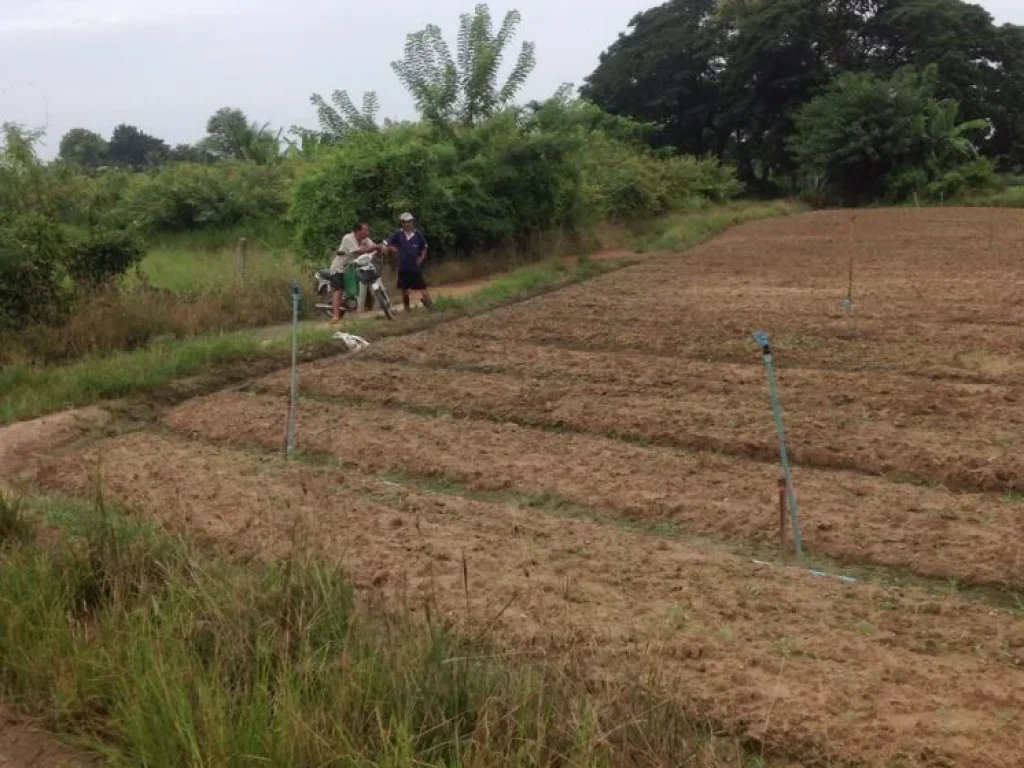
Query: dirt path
pixel 454 290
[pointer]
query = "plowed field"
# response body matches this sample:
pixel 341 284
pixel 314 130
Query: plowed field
pixel 594 472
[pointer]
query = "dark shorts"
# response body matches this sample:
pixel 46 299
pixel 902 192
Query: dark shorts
pixel 411 280
pixel 338 281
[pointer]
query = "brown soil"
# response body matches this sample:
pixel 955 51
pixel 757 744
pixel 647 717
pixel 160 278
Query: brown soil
pixel 850 516
pixel 856 671
pixel 22 746
pixel 878 424
pixel 640 397
pixel 25 441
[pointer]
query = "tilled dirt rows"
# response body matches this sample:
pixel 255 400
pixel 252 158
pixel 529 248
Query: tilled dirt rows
pixel 879 676
pixel 884 424
pixel 933 296
pixel 639 397
pixel 847 515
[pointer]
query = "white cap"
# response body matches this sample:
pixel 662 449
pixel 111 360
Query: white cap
pixel 406 217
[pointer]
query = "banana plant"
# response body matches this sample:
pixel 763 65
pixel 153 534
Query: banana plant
pixel 948 143
pixel 464 87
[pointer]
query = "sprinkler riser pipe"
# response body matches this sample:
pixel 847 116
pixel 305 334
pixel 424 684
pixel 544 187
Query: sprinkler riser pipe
pixel 780 432
pixel 295 371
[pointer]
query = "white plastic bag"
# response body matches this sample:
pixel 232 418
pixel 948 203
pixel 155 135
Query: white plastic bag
pixel 354 343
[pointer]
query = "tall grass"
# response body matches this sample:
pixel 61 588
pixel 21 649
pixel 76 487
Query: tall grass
pixel 153 652
pixel 270 236
pixel 32 390
pixel 28 389
pixel 679 231
pixel 194 272
pixel 525 282
pixel 1008 197
pixel 113 320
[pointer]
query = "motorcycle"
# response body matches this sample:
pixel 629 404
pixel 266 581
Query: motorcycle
pixel 367 272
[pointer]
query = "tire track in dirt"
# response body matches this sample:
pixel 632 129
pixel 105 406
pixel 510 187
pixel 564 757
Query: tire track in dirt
pixel 848 671
pixel 852 517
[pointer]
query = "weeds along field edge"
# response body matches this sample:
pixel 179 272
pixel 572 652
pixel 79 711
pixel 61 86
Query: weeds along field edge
pixel 172 345
pixel 147 649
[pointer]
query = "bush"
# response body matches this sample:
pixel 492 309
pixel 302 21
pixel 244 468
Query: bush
pixel 40 264
pixel 102 256
pixel 1012 197
pixel 500 182
pixel 868 138
pixel 32 279
pixel 86 198
pixel 969 177
pixel 483 186
pixel 187 196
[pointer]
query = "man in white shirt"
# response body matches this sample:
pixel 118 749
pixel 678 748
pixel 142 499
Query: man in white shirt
pixel 355 243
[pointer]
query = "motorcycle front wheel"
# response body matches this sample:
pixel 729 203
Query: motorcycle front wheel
pixel 325 303
pixel 384 303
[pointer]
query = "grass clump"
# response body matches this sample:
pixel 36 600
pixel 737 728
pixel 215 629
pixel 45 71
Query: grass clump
pixel 13 525
pixel 31 390
pixel 525 282
pixel 679 231
pixel 152 652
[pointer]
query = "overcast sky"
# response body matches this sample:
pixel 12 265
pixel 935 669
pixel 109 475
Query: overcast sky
pixel 167 65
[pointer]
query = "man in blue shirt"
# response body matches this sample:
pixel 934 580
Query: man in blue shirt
pixel 411 247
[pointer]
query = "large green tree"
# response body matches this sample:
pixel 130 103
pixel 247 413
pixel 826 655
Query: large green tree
pixel 729 75
pixel 231 136
pixel 869 138
pixel 83 147
pixel 464 88
pixel 132 148
pixel 980 65
pixel 222 131
pixel 668 69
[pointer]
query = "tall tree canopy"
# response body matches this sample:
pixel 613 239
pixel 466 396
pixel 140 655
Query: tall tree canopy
pixel 83 147
pixel 133 148
pixel 341 115
pixel 230 136
pixel 729 76
pixel 868 138
pixel 224 130
pixel 465 88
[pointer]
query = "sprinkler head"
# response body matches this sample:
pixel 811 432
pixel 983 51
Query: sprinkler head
pixel 761 339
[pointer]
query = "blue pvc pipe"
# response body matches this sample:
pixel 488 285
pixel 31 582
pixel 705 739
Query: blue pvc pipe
pixel 295 372
pixel 769 365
